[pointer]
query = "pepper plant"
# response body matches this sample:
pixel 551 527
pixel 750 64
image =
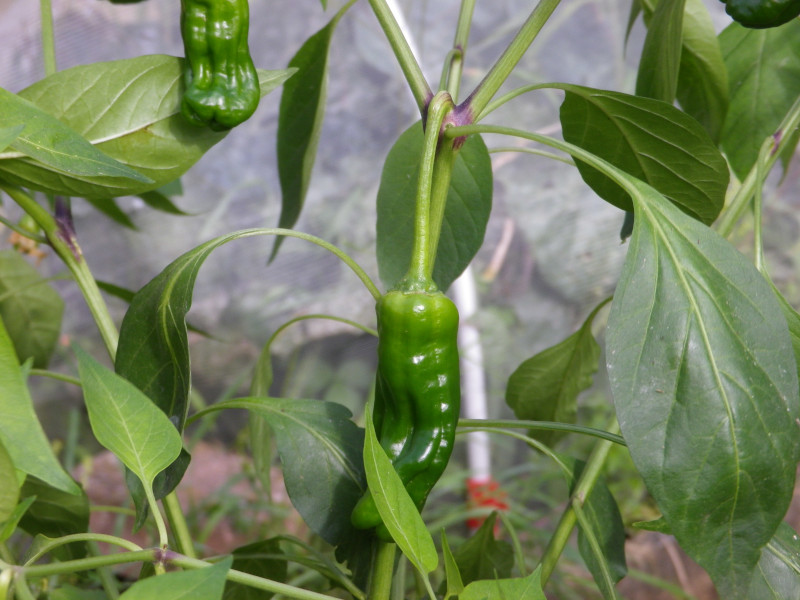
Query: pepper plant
pixel 701 349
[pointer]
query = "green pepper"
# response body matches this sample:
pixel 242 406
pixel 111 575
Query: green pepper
pixel 222 87
pixel 762 14
pixel 417 393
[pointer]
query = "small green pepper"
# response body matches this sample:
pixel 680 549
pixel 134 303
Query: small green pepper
pixel 762 14
pixel 417 393
pixel 222 87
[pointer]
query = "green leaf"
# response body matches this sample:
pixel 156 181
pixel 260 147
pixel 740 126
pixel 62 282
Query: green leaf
pixel 20 430
pixel 263 559
pixel 9 485
pixel 651 140
pixel 70 592
pixel 793 321
pixel 703 79
pixel 659 525
pixel 395 506
pixel 764 73
pixel 777 576
pixel 522 588
pixel 54 514
pixel 30 307
pixel 469 203
pixel 111 209
pixel 605 521
pixel 54 146
pixel 705 385
pixel 546 386
pixel 199 584
pixel 9 134
pixel 483 557
pixel 320 449
pixel 661 55
pixel 10 524
pixel 300 117
pixel 125 421
pixel 161 201
pixel 128 109
pixel 260 434
pixel 453 576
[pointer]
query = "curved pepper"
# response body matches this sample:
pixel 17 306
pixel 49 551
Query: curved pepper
pixel 222 87
pixel 762 14
pixel 417 394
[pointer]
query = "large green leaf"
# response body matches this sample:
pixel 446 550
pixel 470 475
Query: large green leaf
pixel 649 139
pixel 55 513
pixel 469 202
pixel 55 146
pixel 9 134
pixel 263 559
pixel 320 449
pixel 484 557
pixel 522 588
pixel 546 386
pixel 300 118
pixel 9 485
pixel 793 321
pixel 452 574
pixel 126 422
pixel 777 576
pixel 30 307
pixel 198 584
pixel 9 526
pixel 705 386
pixel 397 509
pixel 764 73
pixel 702 86
pixel 20 430
pixel 128 109
pixel 661 56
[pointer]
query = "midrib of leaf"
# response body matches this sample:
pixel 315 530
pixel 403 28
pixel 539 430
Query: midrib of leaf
pixel 787 560
pixel 695 311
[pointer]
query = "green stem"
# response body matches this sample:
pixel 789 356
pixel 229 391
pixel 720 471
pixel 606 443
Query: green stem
pixel 163 539
pixel 738 204
pixel 81 537
pixel 253 581
pixel 758 198
pixel 21 589
pixel 408 63
pixel 54 375
pixel 452 79
pixel 177 522
pixel 476 424
pixel 48 37
pixel 90 563
pixel 584 486
pixel 66 246
pixel 440 187
pixel 380 585
pixel 107 579
pixel 422 253
pixel 500 71
pixel 6 577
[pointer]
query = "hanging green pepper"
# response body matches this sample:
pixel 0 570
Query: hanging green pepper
pixel 762 14
pixel 222 87
pixel 417 394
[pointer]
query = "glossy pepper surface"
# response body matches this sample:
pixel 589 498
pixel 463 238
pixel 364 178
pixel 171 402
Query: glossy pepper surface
pixel 221 81
pixel 417 393
pixel 762 14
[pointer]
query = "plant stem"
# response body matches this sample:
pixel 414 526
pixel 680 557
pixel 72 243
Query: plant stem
pixel 48 37
pixel 253 581
pixel 584 486
pixel 738 204
pixel 440 187
pixel 380 585
pixel 475 424
pixel 163 539
pixel 408 63
pixel 82 537
pixel 423 253
pixel 90 563
pixel 53 375
pixel 500 71
pixel 455 67
pixel 177 523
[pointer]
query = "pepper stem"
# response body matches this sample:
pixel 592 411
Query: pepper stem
pixel 423 253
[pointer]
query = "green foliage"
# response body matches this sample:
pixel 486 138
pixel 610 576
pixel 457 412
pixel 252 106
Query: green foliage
pixel 198 584
pixel 524 588
pixel 777 576
pixel 263 559
pixel 9 485
pixel 469 202
pixel 484 557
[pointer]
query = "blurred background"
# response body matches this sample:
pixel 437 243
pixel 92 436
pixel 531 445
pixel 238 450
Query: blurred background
pixel 552 250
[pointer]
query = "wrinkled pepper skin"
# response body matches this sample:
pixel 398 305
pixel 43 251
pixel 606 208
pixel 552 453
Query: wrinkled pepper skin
pixel 417 393
pixel 221 81
pixel 762 14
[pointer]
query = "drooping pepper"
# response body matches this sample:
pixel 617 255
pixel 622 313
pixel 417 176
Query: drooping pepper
pixel 221 81
pixel 762 14
pixel 417 394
